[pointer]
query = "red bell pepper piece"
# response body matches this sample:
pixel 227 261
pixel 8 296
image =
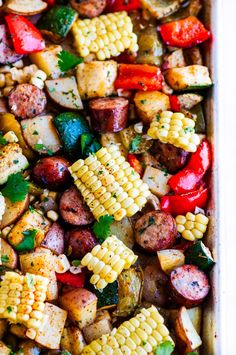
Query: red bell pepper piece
pixel 122 5
pixel 181 204
pixel 75 280
pixel 189 178
pixel 135 163
pixel 184 33
pixel 174 103
pixel 51 2
pixel 139 77
pixel 26 37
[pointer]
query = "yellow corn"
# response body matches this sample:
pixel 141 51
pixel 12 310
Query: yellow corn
pixel 19 298
pixel 109 185
pixel 176 129
pixel 107 261
pixel 140 335
pixel 107 36
pixel 192 226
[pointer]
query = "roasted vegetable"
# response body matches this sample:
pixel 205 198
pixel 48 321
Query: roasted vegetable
pixel 150 47
pixel 157 181
pixel 72 340
pixel 134 142
pixel 101 326
pixel 130 283
pixel 47 60
pixel 108 297
pixel 9 258
pixel 198 254
pixel 13 210
pixel 160 9
pixel 25 8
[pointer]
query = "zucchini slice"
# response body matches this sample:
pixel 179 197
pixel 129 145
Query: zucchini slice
pixel 192 77
pixel 108 297
pixel 41 135
pixel 198 254
pixel 64 92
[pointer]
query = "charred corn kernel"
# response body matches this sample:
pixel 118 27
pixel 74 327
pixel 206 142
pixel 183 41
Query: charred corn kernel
pixel 192 226
pixel 106 37
pixel 107 261
pixel 21 305
pixel 133 336
pixel 115 189
pixel 53 215
pixel 176 129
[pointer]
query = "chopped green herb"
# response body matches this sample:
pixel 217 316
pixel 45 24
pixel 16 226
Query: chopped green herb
pixel 102 228
pixel 143 102
pixel 165 348
pixel 3 141
pixel 15 161
pixel 42 147
pixel 135 143
pixel 188 129
pixel 51 89
pixel 9 309
pixel 158 117
pixel 192 353
pixel 28 242
pixel 144 342
pixel 4 258
pixel 76 263
pixel 31 208
pixel 67 60
pixel 151 221
pixel 35 133
pixel 16 188
pixel 24 127
pixel 65 352
pixel 29 280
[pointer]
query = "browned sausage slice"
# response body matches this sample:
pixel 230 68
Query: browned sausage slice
pixel 189 285
pixel 81 242
pixel 155 231
pixel 109 114
pixel 54 239
pixel 73 208
pixel 173 158
pixel 7 54
pixel 89 8
pixel 26 101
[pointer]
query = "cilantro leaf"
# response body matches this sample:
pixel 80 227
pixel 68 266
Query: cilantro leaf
pixel 16 188
pixel 135 143
pixel 9 309
pixel 4 258
pixel 192 353
pixel 42 147
pixel 28 242
pixel 89 144
pixel 68 60
pixel 102 228
pixel 165 348
pixel 76 263
pixel 3 141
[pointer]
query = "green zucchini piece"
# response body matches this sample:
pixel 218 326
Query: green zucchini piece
pixel 200 123
pixel 108 297
pixel 192 77
pixel 198 254
pixel 71 126
pixel 150 47
pixel 58 21
pixel 89 144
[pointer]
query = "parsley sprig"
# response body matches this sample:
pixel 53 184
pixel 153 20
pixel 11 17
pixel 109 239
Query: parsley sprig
pixel 102 228
pixel 67 60
pixel 16 188
pixel 134 145
pixel 28 243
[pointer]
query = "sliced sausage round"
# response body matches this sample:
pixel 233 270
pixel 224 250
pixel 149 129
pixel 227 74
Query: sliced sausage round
pixel 155 286
pixel 89 8
pixel 26 101
pixel 73 209
pixel 189 285
pixel 52 173
pixel 81 242
pixel 54 239
pixel 167 154
pixel 155 231
pixel 109 114
pixel 7 54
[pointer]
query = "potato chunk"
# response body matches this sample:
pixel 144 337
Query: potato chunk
pixel 157 181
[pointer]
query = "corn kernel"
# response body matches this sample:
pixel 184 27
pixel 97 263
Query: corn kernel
pixel 190 226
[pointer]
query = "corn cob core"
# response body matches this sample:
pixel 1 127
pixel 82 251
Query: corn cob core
pixel 176 129
pixel 107 261
pixel 192 226
pixel 109 185
pixel 107 36
pixel 138 336
pixel 22 299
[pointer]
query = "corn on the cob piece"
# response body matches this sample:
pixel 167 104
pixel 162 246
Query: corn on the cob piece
pixel 109 185
pixel 176 129
pixel 107 36
pixel 22 299
pixel 107 261
pixel 192 226
pixel 138 336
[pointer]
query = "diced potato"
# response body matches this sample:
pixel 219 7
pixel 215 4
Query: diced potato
pixel 150 103
pixel 9 256
pixel 157 181
pixel 4 350
pixel 128 134
pixel 96 79
pixel 13 210
pixel 160 9
pixel 97 329
pixel 109 138
pixel 50 334
pixel 123 230
pixel 29 220
pixel 64 92
pixel 195 314
pixel 72 340
pixel 81 305
pixel 174 60
pixel 41 263
pixel 47 60
pixel 170 259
